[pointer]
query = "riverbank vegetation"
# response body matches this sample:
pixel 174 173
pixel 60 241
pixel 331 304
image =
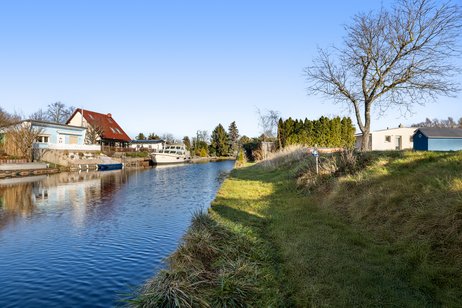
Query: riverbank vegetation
pixel 371 229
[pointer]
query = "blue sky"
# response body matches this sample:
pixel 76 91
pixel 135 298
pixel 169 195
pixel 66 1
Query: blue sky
pixel 177 66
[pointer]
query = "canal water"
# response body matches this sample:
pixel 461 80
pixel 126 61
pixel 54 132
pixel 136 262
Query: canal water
pixel 88 239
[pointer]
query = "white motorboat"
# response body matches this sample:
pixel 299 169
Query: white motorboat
pixel 171 154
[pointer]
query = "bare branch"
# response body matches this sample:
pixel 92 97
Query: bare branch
pixel 392 58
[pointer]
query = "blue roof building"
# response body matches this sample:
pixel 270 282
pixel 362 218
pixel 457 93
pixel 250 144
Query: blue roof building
pixel 438 139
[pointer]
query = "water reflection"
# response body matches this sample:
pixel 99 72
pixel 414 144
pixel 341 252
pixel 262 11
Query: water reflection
pixel 81 239
pixel 29 196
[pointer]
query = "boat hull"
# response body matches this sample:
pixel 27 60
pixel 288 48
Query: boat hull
pixel 104 167
pixel 165 159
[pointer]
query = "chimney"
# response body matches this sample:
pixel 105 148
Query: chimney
pixel 109 115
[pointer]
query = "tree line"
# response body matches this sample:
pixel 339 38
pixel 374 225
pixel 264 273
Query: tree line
pixel 448 123
pixel 324 132
pixel 221 142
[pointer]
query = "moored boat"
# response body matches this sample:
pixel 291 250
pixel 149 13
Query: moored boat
pixel 104 167
pixel 171 154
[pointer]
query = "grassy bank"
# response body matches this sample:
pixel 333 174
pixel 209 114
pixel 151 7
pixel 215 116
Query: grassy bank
pixel 382 229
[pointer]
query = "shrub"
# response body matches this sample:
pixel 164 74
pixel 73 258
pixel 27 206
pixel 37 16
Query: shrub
pixel 241 159
pixel 203 153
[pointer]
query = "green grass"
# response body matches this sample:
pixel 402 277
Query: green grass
pixel 384 229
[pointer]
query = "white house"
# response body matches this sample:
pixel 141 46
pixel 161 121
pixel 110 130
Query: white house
pixel 148 145
pixel 399 138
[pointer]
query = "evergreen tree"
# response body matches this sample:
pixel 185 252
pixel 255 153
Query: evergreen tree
pixel 187 143
pixel 323 132
pixel 220 141
pixel 289 131
pixel 335 132
pixel 348 133
pixel 244 139
pixel 281 134
pixel 309 132
pixel 140 136
pixel 233 133
pixel 153 136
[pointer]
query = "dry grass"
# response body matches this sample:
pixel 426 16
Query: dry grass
pixel 212 267
pixel 287 156
pixel 375 229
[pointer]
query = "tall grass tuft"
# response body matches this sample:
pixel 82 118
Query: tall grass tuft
pixel 211 267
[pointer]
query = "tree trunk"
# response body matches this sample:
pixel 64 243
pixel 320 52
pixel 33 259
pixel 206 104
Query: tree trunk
pixel 366 129
pixel 365 146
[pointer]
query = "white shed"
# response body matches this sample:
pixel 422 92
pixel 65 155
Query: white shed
pixel 399 138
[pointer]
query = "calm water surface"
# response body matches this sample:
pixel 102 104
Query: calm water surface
pixel 85 239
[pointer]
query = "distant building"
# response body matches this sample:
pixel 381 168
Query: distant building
pixel 399 138
pixel 51 136
pixel 101 128
pixel 149 145
pixel 438 139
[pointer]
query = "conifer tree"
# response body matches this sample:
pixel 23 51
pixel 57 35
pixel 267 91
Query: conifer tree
pixel 141 136
pixel 220 141
pixel 323 132
pixel 187 143
pixel 233 133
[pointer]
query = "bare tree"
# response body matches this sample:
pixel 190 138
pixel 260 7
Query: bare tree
pixel 59 113
pixel 39 115
pixel 6 118
pixel 20 139
pixel 94 133
pixel 397 57
pixel 203 135
pixel 268 122
pixel 449 123
pixel 168 138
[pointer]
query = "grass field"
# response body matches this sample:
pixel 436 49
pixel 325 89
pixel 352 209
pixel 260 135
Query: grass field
pixel 381 229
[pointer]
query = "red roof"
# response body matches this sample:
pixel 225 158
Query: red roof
pixel 111 130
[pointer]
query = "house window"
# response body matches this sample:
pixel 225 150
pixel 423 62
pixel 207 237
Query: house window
pixel 42 139
pixel 387 138
pixel 411 139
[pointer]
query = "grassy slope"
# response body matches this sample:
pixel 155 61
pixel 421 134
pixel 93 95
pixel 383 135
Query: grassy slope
pixel 390 235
